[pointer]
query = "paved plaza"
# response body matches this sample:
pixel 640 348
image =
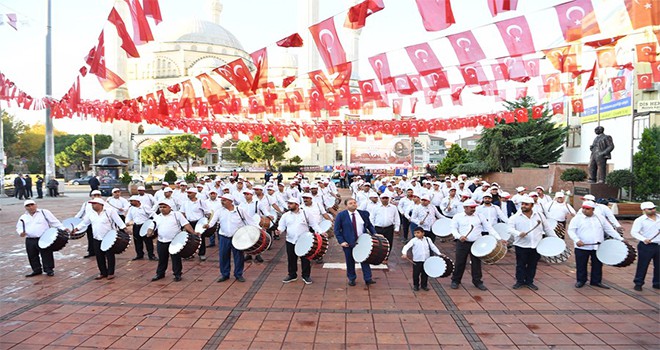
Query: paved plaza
pixel 72 310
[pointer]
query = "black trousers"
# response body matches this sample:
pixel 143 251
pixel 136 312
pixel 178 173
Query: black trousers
pixel 104 260
pixel 40 192
pixel 462 253
pixel 292 262
pixel 202 246
pixel 430 235
pixel 582 257
pixel 142 242
pixel 405 225
pixel 388 232
pixel 526 261
pixel 33 252
pixel 164 257
pixel 646 253
pixel 90 241
pixel 52 191
pixel 418 269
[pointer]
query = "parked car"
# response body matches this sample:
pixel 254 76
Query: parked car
pixel 81 180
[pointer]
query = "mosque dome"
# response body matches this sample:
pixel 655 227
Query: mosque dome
pixel 198 32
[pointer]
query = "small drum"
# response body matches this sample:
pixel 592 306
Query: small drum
pixel 53 239
pixel 251 240
pixel 149 224
pixel 115 242
pixel 265 222
pixel 205 232
pixel 73 222
pixel 553 250
pixel 442 228
pixel 438 266
pixel 559 229
pixel 325 225
pixel 371 249
pixel 489 249
pixel 185 244
pixel 504 231
pixel 616 253
pixel 311 246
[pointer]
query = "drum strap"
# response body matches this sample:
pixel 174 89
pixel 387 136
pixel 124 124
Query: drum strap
pixel 428 242
pixel 45 218
pixel 110 221
pixel 240 215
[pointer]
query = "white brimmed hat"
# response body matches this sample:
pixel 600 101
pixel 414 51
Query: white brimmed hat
pixel 96 201
pixel 647 205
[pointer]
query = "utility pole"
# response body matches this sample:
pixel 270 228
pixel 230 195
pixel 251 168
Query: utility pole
pixel 3 161
pixel 49 144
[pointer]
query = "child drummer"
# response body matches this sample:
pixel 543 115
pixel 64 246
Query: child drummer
pixel 421 250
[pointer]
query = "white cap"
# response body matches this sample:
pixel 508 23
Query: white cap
pixel 588 204
pixel 494 187
pixel 166 202
pixel 384 195
pixel 248 192
pixel 314 186
pixel 540 188
pixel 527 199
pixel 258 187
pixel 200 185
pixel 533 194
pixel 165 183
pixel 487 195
pixel 425 198
pixel 520 189
pixel 270 188
pixel 183 183
pixel 307 195
pixel 28 202
pixel 647 205
pixel 192 190
pixel 141 188
pixel 228 197
pixel 470 203
pixel 373 195
pixel 97 201
pixel 306 185
pixel 115 190
pixel 167 189
pixel 506 195
pixel 559 195
pixel 485 184
pixel 293 200
pixel 96 192
pixel 134 198
pixel 589 197
pixel 213 190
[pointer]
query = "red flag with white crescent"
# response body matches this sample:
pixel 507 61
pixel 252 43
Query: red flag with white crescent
pixel 328 44
pixel 206 141
pixel 466 47
pixel 577 19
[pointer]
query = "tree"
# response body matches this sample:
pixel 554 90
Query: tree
pixel 181 149
pixel 455 156
pixel 646 165
pixel 239 156
pixel 31 143
pixel 537 141
pixel 620 179
pixel 572 175
pixel 80 151
pixel 12 131
pixel 295 160
pixel 271 151
pixel 170 176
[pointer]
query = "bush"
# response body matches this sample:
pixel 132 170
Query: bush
pixel 170 176
pixel 191 177
pixel 289 168
pixel 529 165
pixel 573 174
pixel 646 165
pixel 126 178
pixel 620 179
pixel 472 168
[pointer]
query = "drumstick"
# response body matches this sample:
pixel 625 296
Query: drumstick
pixel 597 243
pixel 652 238
pixel 467 234
pixel 538 222
pixel 23 222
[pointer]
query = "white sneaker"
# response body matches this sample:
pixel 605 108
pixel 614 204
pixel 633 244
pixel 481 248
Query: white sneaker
pixel 202 257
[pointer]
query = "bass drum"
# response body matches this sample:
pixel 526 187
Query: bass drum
pixel 442 228
pixel 504 231
pixel 371 249
pixel 252 240
pixel 616 253
pixel 489 249
pixel 73 222
pixel 311 246
pixel 53 239
pixel 438 266
pixel 553 250
pixel 115 242
pixel 149 224
pixel 185 244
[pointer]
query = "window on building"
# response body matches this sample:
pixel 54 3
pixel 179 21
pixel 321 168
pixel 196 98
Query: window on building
pixel 639 124
pixel 339 156
pixel 574 138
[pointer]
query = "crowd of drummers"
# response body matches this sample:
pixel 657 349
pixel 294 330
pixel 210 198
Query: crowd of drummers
pixel 179 222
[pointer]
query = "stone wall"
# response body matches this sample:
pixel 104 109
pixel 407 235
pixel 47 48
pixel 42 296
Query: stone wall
pixel 531 177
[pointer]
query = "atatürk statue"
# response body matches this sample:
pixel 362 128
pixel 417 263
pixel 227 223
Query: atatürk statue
pixel 600 152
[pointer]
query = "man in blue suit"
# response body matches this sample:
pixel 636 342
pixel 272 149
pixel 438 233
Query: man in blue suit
pixel 348 226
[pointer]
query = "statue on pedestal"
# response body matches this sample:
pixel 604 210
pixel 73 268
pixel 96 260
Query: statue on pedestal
pixel 601 150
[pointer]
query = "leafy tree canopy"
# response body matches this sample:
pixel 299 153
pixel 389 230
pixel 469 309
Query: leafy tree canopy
pixel 80 151
pixel 455 156
pixel 646 165
pixel 181 149
pixel 259 151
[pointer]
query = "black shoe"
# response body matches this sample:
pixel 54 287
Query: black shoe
pixel 481 286
pixel 369 282
pixel 532 286
pixel 240 279
pixel 656 287
pixel 454 285
pixel 579 284
pixel 517 285
pixel 600 285
pixel 426 288
pixel 33 274
pixel 222 279
pixel 88 256
pixel 319 261
pixel 416 289
pixel 638 287
pixel 177 278
pixel 189 258
pixel 210 245
pixel 51 274
pixel 100 277
pixel 137 258
pixel 153 258
pixel 248 257
pixel 307 280
pixel 351 283
pixel 258 258
pixel 157 277
pixel 289 279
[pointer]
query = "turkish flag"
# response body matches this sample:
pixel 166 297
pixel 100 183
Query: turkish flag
pixel 606 57
pixel 344 75
pixel 498 6
pixel 522 115
pixel 436 79
pixel 557 56
pixel 319 80
pixel 643 13
pixel 532 67
pixel 237 74
pixel 456 89
pixel 466 47
pixel 423 57
pixel 328 44
pixel 396 105
pixel 646 52
pixel 472 74
pixel 369 90
pixel 500 71
pixel 288 81
pixel 577 105
pixel 260 60
pixel 211 89
pixel 577 19
pixel 96 58
pixel 206 141
pixel 110 81
pixel 141 30
pixel 152 9
pixel 516 35
pixel 618 83
pixel 558 108
pixel 354 102
pixel 644 81
pixel 403 85
pixel 521 92
pixel 430 96
pixel 570 64
pixel 551 83
pixel 163 108
pixel 381 67
pixel 293 40
pixel 436 14
pixel 604 42
pixel 537 111
pixel 592 77
pixel 357 14
pixel 655 70
pixel 126 41
pixel 568 89
pixel 516 69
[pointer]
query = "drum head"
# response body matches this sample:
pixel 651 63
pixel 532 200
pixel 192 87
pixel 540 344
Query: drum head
pixel 503 230
pixel 304 244
pixel 48 238
pixel 71 222
pixel 363 248
pixel 552 223
pixel 435 266
pixel 199 228
pixel 108 240
pixel 256 218
pixel 612 252
pixel 442 227
pixel 483 246
pixel 551 246
pixel 178 242
pixel 145 227
pixel 245 237
pixel 325 225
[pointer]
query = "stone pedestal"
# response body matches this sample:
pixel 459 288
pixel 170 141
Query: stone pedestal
pixel 596 189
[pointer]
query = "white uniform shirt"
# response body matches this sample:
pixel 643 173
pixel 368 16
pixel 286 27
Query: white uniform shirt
pixel 260 207
pixel 425 216
pixel 644 228
pixel 230 221
pixel 169 225
pixel 436 197
pixel 292 192
pixel 359 223
pixel 314 212
pixel 138 215
pixel 297 224
pixel 102 222
pixel 465 191
pixel 450 206
pixel 589 230
pixel 385 216
pixel 545 200
pixel 36 224
pixel 159 195
pixel 147 200
pixel 85 209
pixel 461 222
pixel 520 223
pixel 492 213
pixel 558 211
pixel 213 206
pixel 420 248
pixel 194 211
pixel 404 202
pixel 120 204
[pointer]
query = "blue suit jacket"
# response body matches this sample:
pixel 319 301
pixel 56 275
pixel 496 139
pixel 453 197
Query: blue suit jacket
pixel 344 227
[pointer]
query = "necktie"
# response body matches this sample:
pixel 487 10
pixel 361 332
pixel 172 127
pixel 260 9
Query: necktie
pixel 354 227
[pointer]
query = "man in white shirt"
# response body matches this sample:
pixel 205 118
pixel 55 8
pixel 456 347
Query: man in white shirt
pixel 520 193
pixel 292 191
pixel 135 217
pixel 85 210
pixel 478 194
pixel 491 212
pixel 386 219
pixel 195 209
pixel 559 211
pixel 31 225
pixel 467 227
pixel 425 215
pixel 463 190
pixel 543 198
pixel 587 230
pixel 528 228
pixel 255 207
pixel 146 198
pixel 168 224
pixel 362 196
pixel 118 203
pixel 160 194
pixel 539 206
pixel 421 250
pixel 296 223
pixel 646 229
pixel 450 204
pixel 604 211
pixel 370 205
pixel 201 192
pixel 403 213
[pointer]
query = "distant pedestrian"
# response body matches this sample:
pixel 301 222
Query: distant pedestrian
pixel 19 187
pixel 94 184
pixel 53 187
pixel 28 186
pixel 40 185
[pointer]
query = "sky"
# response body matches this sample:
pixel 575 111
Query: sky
pixel 256 23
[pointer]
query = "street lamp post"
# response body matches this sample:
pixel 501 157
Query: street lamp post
pixel 93 155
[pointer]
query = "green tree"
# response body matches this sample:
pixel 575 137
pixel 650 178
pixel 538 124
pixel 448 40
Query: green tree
pixel 646 165
pixel 537 141
pixel 239 156
pixel 170 176
pixel 572 175
pixel 295 160
pixel 620 179
pixel 269 152
pixel 455 156
pixel 80 151
pixel 12 131
pixel 181 149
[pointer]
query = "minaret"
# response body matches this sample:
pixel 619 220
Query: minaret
pixel 308 59
pixel 353 51
pixel 215 10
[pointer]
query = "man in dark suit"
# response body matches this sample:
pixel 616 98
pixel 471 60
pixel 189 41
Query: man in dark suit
pixel 507 206
pixel 28 186
pixel 19 186
pixel 348 226
pixel 94 184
